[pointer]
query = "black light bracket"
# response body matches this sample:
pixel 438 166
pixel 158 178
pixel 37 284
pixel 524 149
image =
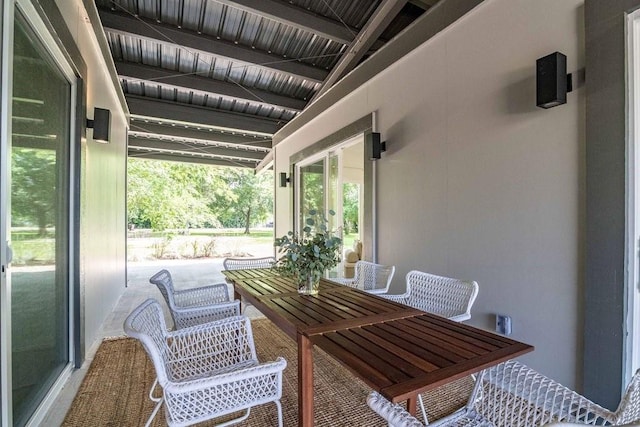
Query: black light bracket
pixel 569 82
pixel 284 179
pixel 100 124
pixel 374 145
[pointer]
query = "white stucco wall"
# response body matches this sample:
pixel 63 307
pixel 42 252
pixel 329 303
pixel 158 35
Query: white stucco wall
pixel 477 182
pixel 103 184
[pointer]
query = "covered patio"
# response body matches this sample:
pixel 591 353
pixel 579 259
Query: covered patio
pixel 538 206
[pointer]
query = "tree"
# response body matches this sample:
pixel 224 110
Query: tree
pixel 165 195
pixel 33 180
pixel 250 197
pixel 350 206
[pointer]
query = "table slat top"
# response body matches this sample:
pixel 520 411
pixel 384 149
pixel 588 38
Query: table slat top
pixel 397 350
pixel 413 354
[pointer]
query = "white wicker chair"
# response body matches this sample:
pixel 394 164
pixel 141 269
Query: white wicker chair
pixel 245 263
pixel 205 371
pixel 447 297
pixel 513 395
pixel 195 306
pixel 370 277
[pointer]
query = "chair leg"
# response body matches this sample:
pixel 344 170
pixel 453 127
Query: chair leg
pixel 155 399
pixel 424 412
pixel 277 402
pixel 155 411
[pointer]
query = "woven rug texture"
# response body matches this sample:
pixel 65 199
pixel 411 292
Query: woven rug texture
pixel 115 390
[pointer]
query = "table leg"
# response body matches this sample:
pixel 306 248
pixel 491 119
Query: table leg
pixel 236 296
pixel 412 405
pixel 305 382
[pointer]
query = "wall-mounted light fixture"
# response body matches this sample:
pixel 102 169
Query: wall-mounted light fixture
pixel 100 124
pixel 284 179
pixel 552 80
pixel 374 145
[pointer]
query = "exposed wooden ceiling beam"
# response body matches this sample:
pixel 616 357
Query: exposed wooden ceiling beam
pixel 280 11
pixel 207 116
pixel 184 131
pixel 377 23
pixel 192 41
pixel 164 77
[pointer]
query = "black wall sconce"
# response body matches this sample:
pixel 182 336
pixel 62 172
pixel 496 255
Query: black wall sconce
pixel 552 80
pixel 100 124
pixel 284 179
pixel 374 145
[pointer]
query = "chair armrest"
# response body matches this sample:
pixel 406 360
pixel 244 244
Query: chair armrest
pixel 347 282
pixel 268 375
pixel 379 292
pixel 401 298
pixel 393 413
pixel 460 317
pixel 202 296
pixel 186 317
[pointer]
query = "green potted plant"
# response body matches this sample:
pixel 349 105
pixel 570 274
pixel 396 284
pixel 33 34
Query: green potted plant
pixel 308 255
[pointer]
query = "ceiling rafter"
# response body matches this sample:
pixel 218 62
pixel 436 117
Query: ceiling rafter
pixel 192 148
pixel 207 116
pixel 196 131
pixel 188 158
pixel 192 41
pixel 383 15
pixel 288 14
pixel 164 77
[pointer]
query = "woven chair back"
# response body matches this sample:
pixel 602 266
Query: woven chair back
pixel 528 398
pixel 370 276
pixel 247 263
pixel 444 296
pixel 162 279
pixel 146 323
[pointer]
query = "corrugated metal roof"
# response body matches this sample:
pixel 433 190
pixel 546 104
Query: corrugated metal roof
pixel 275 38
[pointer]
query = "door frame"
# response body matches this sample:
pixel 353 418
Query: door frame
pixel 631 353
pixel 33 18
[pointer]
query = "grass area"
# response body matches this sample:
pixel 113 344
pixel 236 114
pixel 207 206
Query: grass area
pixel 29 249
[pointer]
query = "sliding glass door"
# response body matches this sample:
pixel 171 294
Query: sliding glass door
pixel 37 282
pixel 328 182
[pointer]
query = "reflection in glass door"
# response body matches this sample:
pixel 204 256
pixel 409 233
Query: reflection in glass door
pixel 311 189
pixel 39 171
pixel 332 181
pixel 334 194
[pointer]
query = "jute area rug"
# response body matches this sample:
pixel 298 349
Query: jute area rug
pixel 115 389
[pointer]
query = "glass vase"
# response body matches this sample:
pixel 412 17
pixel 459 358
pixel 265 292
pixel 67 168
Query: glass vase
pixel 309 285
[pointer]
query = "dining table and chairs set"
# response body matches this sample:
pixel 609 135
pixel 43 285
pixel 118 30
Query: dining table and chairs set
pixel 400 346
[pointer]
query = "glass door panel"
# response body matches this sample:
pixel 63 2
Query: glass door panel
pixel 311 189
pixel 334 192
pixel 39 152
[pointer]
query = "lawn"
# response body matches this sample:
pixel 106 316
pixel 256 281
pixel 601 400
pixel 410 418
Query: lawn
pixel 29 249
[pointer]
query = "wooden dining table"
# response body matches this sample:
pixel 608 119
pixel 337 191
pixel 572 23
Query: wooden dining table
pixel 397 350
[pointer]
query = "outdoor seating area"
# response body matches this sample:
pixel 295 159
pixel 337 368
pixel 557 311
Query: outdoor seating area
pixel 511 394
pixel 393 343
pixel 319 213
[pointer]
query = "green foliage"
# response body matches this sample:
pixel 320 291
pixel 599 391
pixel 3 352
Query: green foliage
pixel 350 204
pixel 311 253
pixel 33 182
pixel 169 195
pixel 209 247
pixel 160 247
